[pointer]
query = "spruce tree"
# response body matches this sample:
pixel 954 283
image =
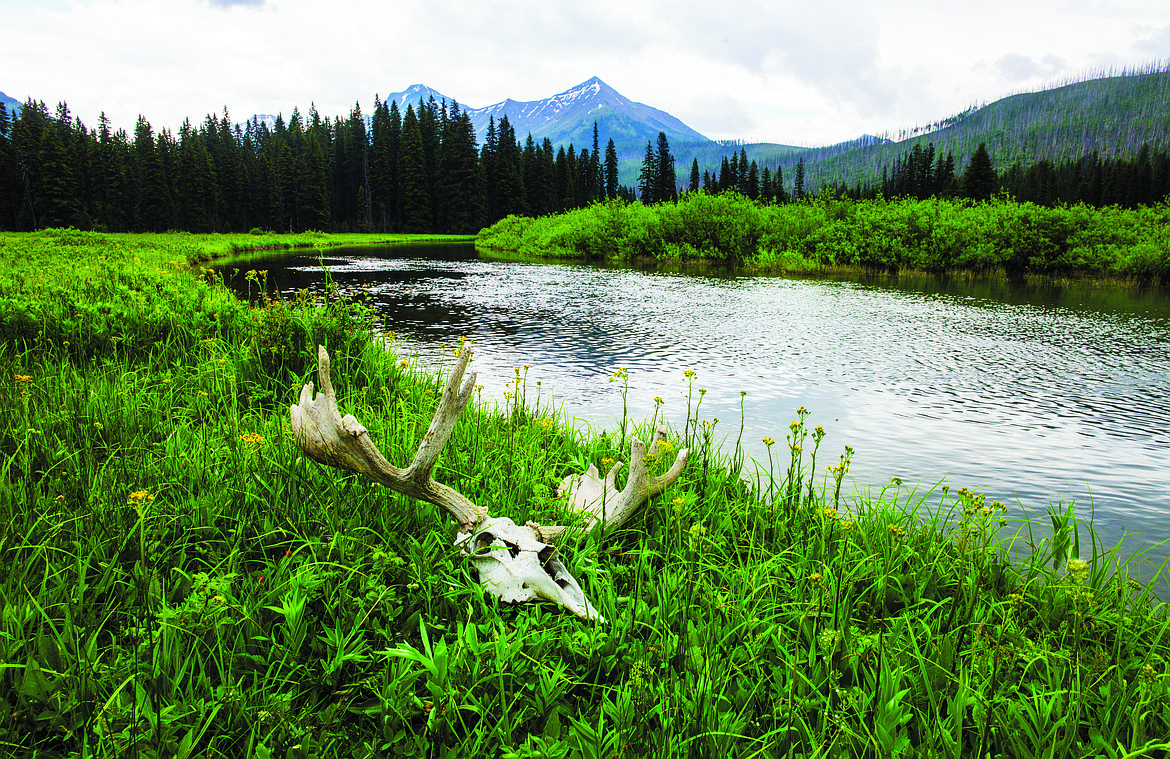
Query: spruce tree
pixel 488 168
pixel 779 192
pixel 753 181
pixel 416 199
pixel 611 170
pixel 648 175
pixel 596 181
pixel 462 200
pixel 153 195
pixel 979 180
pixel 798 181
pixel 509 189
pixel 666 180
pixel 693 184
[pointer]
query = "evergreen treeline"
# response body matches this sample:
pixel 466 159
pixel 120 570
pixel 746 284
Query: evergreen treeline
pixel 921 173
pixel 421 171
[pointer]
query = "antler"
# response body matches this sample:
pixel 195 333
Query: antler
pixel 325 436
pixel 513 560
pixel 607 507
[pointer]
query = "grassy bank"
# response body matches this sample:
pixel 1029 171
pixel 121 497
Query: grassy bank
pixel 935 234
pixel 178 580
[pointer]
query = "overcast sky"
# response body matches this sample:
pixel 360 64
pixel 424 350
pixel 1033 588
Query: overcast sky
pixel 810 72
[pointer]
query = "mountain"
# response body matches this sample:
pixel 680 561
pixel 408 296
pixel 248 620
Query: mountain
pixel 568 117
pixel 1113 115
pixel 12 105
pixel 419 93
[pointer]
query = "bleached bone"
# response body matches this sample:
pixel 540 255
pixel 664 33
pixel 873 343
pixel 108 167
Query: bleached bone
pixel 608 508
pixel 325 436
pixel 514 562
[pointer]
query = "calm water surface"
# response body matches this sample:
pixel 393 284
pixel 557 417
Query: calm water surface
pixel 1034 395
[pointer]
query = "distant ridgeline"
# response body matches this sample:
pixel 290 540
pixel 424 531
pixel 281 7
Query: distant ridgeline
pixel 1091 131
pixel 430 165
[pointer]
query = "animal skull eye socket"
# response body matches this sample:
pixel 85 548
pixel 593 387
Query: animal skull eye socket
pixel 483 543
pixel 513 548
pixel 547 554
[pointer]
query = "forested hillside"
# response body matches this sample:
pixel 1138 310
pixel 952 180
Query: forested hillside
pixel 1113 116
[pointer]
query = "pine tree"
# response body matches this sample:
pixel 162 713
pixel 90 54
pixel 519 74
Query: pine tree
pixel 509 189
pixel 488 168
pixel 648 175
pixel 60 206
pixel 979 180
pixel 693 184
pixel 596 181
pixel 314 182
pixel 416 199
pixel 741 175
pixel 153 195
pixel 726 176
pixel 530 171
pixel 462 201
pixel 780 193
pixel 8 173
pixel 666 181
pixel 546 178
pixel 428 127
pixel 798 182
pixel 394 183
pixel 611 170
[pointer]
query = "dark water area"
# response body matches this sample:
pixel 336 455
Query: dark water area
pixel 1036 394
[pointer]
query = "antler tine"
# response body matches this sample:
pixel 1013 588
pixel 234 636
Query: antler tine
pixel 607 507
pixel 325 436
pixel 451 405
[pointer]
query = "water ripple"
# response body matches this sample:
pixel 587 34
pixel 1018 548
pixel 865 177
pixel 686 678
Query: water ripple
pixel 1034 395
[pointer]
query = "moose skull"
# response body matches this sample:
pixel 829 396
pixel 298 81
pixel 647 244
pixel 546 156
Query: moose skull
pixel 514 562
pixel 514 565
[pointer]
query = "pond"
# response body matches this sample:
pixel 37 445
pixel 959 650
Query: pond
pixel 1035 394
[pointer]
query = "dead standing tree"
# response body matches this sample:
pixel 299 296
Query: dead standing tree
pixel 514 562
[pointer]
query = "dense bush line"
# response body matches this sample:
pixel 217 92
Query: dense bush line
pixel 932 234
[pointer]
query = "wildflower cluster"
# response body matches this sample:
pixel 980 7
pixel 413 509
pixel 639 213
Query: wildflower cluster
pixel 252 438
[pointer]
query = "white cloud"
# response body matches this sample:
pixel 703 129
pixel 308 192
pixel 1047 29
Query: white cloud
pixel 1015 67
pixel 797 72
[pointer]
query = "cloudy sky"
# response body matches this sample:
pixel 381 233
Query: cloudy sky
pixel 805 72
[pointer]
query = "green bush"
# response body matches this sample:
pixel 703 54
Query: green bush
pixel 934 234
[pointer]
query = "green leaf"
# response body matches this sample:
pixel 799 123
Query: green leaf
pixel 34 684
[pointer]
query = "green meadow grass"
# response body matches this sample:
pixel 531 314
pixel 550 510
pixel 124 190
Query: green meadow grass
pixel 176 579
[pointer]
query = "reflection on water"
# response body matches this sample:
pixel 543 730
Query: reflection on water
pixel 1033 394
